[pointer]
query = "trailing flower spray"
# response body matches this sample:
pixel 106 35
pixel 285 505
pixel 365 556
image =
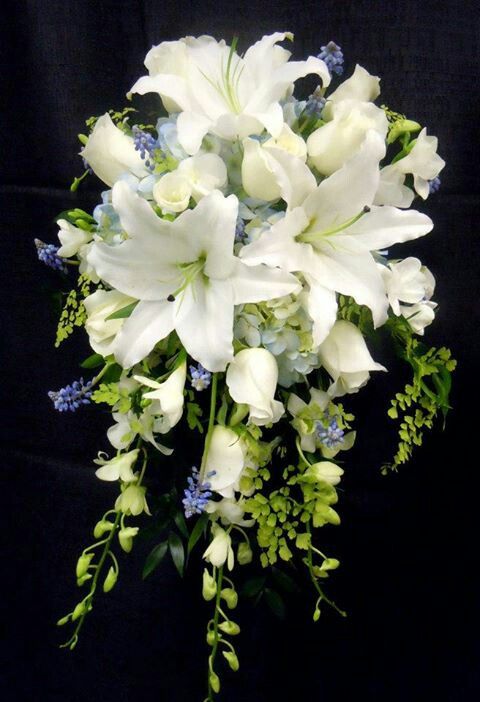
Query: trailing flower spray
pixel 233 278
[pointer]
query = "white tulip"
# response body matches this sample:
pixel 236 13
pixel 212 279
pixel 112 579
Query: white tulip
pixel 102 331
pixel 172 192
pixel 252 380
pixel 110 152
pixel 346 358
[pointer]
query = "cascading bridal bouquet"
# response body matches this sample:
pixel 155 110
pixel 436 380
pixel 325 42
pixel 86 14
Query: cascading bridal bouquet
pixel 230 279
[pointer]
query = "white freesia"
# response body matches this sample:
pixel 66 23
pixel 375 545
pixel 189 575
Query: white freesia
pixel 422 162
pixel 332 144
pixel 118 468
pixel 204 173
pixel 220 550
pixel 72 239
pixel 185 275
pixel 330 236
pixel 167 397
pixel 217 91
pixel 110 152
pixel 225 461
pixel 407 281
pixel 346 358
pixel 102 331
pixel 172 192
pixel 252 380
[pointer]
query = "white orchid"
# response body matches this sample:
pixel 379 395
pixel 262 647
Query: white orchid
pixel 220 550
pixel 346 358
pixel 185 275
pixel 229 511
pixel 420 315
pixel 407 281
pixel 225 461
pixel 110 152
pixel 252 380
pixel 117 468
pixel 102 331
pixel 72 239
pixel 167 397
pixel 217 91
pixel 330 236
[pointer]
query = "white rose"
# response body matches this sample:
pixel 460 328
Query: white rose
pixel 252 380
pixel 173 192
pixel 345 356
pixel 102 332
pixel 110 152
pixel 258 175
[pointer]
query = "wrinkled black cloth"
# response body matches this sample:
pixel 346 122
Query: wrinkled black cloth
pixel 407 544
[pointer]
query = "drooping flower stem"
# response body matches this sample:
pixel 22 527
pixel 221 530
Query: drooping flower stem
pixel 314 579
pixel 211 421
pixel 212 676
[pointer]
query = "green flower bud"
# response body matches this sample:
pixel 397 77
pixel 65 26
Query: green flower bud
pixel 110 580
pixel 83 564
pixel 125 537
pixel 101 528
pixel 230 628
pixel 80 609
pixel 211 638
pixel 214 682
pixel 83 579
pixel 209 587
pixel 316 615
pixel 83 139
pixel 63 620
pixel 400 127
pixel 330 564
pixel 230 597
pixel 232 660
pixel 244 553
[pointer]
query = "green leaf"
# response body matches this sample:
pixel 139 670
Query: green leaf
pixel 154 558
pixel 254 586
pixel 93 361
pixel 284 581
pixel 177 552
pixel 197 532
pixel 124 312
pixel 179 520
pixel 194 412
pixel 275 602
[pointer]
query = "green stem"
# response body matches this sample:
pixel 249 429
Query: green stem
pixel 211 421
pixel 314 580
pixel 302 455
pixel 215 629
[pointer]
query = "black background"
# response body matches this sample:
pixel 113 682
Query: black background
pixel 408 542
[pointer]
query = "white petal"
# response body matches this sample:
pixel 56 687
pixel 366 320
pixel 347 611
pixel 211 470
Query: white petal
pixel 260 283
pixel 149 323
pixel 169 395
pixel 293 177
pixel 385 226
pixel 252 380
pixel 191 128
pixel 345 351
pixel 71 238
pixel 225 457
pixel 360 86
pixel 322 308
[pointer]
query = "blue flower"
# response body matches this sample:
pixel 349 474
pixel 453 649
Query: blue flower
pixel 197 494
pixel 333 56
pixel 330 436
pixel 434 185
pixel 146 144
pixel 314 104
pixel 71 396
pixel 48 254
pixel 201 377
pixel 240 234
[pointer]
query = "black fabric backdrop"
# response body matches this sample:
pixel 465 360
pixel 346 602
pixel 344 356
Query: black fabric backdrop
pixel 408 542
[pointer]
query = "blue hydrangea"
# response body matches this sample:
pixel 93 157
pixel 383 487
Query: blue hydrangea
pixel 69 398
pixel 331 435
pixel 201 377
pixel 434 185
pixel 145 144
pixel 48 254
pixel 197 494
pixel 333 56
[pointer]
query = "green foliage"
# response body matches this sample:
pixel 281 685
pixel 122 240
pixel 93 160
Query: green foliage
pixel 194 414
pixel 425 397
pixel 73 313
pixel 118 117
pixel 154 558
pixel 112 394
pixel 359 315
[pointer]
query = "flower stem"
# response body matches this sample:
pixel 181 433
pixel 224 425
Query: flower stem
pixel 211 421
pixel 322 595
pixel 213 654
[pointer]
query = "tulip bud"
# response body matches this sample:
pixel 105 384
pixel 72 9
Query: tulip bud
pixel 230 597
pixel 232 660
pixel 209 588
pixel 214 682
pixel 83 564
pixel 101 528
pixel 244 554
pixel 110 580
pixel 230 628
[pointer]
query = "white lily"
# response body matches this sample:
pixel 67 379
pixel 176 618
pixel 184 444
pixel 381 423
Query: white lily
pixel 185 275
pixel 225 461
pixel 217 91
pixel 346 358
pixel 102 331
pixel 330 236
pixel 220 549
pixel 167 397
pixel 117 468
pixel 110 152
pixel 252 380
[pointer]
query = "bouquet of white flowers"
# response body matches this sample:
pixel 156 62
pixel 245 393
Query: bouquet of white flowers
pixel 232 278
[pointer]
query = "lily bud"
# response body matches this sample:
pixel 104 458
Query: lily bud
pixel 232 660
pixel 244 553
pixel 230 597
pixel 209 587
pixel 110 580
pixel 83 564
pixel 230 628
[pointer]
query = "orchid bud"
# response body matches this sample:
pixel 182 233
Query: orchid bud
pixel 80 609
pixel 214 682
pixel 230 628
pixel 209 587
pixel 64 620
pixel 230 597
pixel 83 564
pixel 101 528
pixel 232 660
pixel 211 637
pixel 110 580
pixel 125 537
pixel 244 553
pixel 83 579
